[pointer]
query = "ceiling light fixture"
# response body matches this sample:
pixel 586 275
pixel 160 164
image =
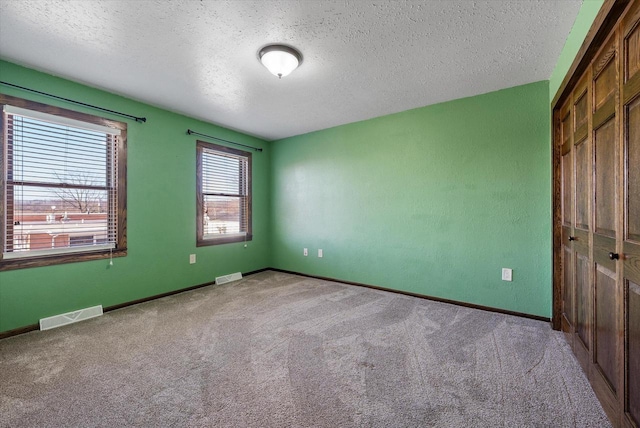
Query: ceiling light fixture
pixel 280 60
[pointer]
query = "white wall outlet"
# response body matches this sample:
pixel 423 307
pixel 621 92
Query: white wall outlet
pixel 305 252
pixel 507 274
pixel 320 253
pixel 192 258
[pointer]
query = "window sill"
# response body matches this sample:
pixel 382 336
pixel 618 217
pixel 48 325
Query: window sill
pixel 223 240
pixel 50 260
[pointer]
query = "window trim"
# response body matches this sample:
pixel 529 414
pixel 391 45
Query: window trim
pixel 68 257
pixel 200 240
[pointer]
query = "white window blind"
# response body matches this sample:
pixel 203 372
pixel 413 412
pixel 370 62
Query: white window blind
pixel 60 184
pixel 225 194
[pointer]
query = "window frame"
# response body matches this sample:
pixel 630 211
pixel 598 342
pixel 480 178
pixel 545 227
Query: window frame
pixel 38 260
pixel 200 240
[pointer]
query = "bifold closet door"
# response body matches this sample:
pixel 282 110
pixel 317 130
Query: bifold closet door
pixel 597 212
pixel 607 289
pixel 567 199
pixel 582 154
pixel 630 90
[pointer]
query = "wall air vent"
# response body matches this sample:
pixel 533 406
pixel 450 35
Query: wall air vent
pixel 70 317
pixel 228 278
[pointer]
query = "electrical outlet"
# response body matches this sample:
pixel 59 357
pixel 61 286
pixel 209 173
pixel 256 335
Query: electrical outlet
pixel 507 274
pixel 320 253
pixel 305 252
pixel 192 258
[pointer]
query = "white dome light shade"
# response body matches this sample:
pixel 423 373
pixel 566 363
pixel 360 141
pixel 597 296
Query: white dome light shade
pixel 280 60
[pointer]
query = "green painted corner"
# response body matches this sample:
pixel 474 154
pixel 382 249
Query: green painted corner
pixel 160 219
pixel 434 200
pixel 581 26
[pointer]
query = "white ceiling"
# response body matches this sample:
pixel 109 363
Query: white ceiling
pixel 362 59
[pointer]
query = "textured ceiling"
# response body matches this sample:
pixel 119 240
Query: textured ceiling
pixel 362 59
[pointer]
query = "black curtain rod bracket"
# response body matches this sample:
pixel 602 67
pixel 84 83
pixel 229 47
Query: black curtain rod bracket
pixel 137 119
pixel 190 132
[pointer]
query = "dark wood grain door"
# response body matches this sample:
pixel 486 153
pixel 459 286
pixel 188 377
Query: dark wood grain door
pixel 568 198
pixel 597 212
pixel 582 155
pixel 606 193
pixel 631 213
pixel 582 160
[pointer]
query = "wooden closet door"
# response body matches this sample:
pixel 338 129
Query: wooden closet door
pixel 567 199
pixel 597 210
pixel 631 212
pixel 582 154
pixel 607 291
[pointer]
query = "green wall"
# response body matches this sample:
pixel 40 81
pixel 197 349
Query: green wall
pixel 160 219
pixel 434 200
pixel 587 14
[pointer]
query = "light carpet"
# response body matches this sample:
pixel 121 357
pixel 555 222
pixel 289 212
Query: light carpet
pixel 280 350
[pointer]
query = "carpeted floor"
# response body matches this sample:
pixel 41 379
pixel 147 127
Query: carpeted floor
pixel 279 350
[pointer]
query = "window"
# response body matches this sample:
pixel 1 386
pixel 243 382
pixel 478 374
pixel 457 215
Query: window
pixel 223 193
pixel 62 185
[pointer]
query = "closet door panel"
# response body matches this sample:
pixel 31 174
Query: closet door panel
pixel 583 169
pixel 606 78
pixel 583 300
pixel 581 109
pixel 567 194
pixel 567 296
pixel 633 171
pixel 632 46
pixel 606 345
pixel 605 183
pixel 581 112
pixel 632 402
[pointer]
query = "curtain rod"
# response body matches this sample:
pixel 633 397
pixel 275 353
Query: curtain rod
pixel 190 132
pixel 137 119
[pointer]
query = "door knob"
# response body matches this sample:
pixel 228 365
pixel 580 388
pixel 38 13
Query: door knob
pixel 614 256
pixel 572 238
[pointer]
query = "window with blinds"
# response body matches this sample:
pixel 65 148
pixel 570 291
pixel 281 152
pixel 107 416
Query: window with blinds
pixel 223 194
pixel 61 189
